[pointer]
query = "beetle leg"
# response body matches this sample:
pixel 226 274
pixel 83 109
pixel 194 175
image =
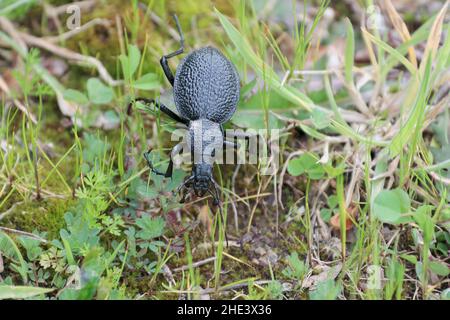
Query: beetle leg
pixel 169 170
pixel 161 107
pixel 183 186
pixel 175 151
pixel 150 164
pixel 184 195
pixel 215 198
pixel 216 189
pixel 163 61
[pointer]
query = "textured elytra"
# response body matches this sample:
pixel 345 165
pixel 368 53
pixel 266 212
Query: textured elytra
pixel 206 86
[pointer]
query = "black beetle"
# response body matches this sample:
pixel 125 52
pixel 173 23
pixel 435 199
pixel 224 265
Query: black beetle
pixel 206 90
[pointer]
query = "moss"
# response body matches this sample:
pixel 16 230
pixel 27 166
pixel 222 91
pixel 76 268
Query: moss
pixel 136 283
pixel 44 216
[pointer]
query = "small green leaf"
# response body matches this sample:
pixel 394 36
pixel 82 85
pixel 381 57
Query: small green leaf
pixel 93 148
pixel 326 214
pixel 306 163
pixel 98 92
pixel 332 201
pixel 177 178
pixel 296 269
pixel 145 191
pixel 75 96
pixel 111 118
pixel 296 167
pixel 150 227
pixel 21 292
pixel 333 172
pixel 320 119
pixel 410 258
pixel 148 81
pixel 255 119
pixel 439 268
pixel 130 63
pixel 275 289
pixel 390 205
pixel 134 57
pixel 326 290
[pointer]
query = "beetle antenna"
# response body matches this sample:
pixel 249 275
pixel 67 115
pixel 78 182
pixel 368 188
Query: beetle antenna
pixel 180 32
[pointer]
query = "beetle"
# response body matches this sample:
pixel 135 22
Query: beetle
pixel 206 89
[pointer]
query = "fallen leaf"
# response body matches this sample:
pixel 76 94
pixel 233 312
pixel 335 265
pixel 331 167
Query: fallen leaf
pixel 335 220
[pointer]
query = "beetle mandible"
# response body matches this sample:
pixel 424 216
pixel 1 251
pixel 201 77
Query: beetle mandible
pixel 206 90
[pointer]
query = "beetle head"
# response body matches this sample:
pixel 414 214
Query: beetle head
pixel 202 179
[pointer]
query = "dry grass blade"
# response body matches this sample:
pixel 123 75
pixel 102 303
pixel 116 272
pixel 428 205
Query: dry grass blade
pixel 23 233
pixel 55 11
pixel 401 28
pixel 434 38
pixel 74 32
pixel 395 54
pixel 71 55
pixel 60 51
pixel 6 25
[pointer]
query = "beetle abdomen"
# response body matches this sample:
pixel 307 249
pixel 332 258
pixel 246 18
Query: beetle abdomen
pixel 206 86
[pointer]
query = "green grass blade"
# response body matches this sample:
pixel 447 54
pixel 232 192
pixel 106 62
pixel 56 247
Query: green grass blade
pixel 261 68
pixel 21 292
pixel 349 52
pixel 393 52
pixel 417 113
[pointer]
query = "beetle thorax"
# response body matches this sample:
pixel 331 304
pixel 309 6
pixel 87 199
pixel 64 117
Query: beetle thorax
pixel 205 140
